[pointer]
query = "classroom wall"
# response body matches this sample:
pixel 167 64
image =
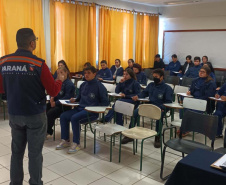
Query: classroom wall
pixel 192 17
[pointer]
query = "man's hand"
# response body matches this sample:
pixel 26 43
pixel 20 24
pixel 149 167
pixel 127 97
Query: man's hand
pixel 101 79
pixel 189 93
pixel 122 95
pixel 135 98
pixel 72 100
pixel 217 96
pixel 122 80
pixel 223 98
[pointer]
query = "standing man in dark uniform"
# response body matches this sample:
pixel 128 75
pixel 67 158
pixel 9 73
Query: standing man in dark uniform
pixel 25 78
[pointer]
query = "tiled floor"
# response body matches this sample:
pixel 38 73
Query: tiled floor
pixel 84 167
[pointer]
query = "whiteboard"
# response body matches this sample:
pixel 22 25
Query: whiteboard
pixel 196 43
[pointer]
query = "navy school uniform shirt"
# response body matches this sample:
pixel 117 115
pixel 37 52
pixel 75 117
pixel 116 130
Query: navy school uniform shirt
pixel 222 92
pixel 158 94
pixel 173 67
pixel 105 74
pixel 92 93
pixel 67 91
pixel 141 78
pixel 201 89
pixel 119 71
pixel 193 72
pixel 159 64
pixel 130 88
pixel 184 67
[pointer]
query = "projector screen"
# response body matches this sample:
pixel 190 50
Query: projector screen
pixel 211 43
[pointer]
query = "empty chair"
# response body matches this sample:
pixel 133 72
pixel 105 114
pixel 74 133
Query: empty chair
pixel 187 81
pixel 172 80
pixel 110 87
pixel 112 129
pixel 179 89
pixel 219 80
pixel 166 73
pixel 148 72
pixel 194 104
pixel 192 122
pixel 149 111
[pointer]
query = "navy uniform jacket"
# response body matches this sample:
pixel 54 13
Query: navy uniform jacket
pixel 158 94
pixel 119 71
pixel 222 105
pixel 193 72
pixel 105 74
pixel 173 67
pixel 141 78
pixel 159 64
pixel 92 93
pixel 25 78
pixel 213 76
pixel 130 88
pixel 67 91
pixel 183 68
pixel 201 89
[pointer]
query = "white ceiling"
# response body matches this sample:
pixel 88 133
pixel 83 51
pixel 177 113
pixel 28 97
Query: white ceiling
pixel 161 2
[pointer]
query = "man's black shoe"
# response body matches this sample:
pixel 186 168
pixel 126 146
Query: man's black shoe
pixel 157 142
pixel 126 140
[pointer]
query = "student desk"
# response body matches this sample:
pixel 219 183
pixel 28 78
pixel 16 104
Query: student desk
pixel 195 169
pixel 215 99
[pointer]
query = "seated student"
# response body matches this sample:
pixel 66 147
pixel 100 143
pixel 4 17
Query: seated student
pixel 193 72
pixel 141 77
pixel 61 63
pixel 91 93
pixel 203 87
pixel 187 65
pixel 104 73
pixel 159 63
pixel 81 74
pixel 212 74
pixel 158 93
pixel 128 88
pixel 174 66
pixel 116 70
pixel 54 108
pixel 206 60
pixel 130 63
pixel 220 110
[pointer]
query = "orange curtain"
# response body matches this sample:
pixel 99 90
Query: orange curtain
pixel 73 34
pixel 146 39
pixel 16 14
pixel 115 35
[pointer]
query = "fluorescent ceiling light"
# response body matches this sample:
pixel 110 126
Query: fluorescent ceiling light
pixel 181 2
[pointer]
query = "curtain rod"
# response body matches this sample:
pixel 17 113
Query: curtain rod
pixel 114 8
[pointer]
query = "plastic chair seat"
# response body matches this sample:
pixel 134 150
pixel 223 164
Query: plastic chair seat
pixel 186 146
pixel 110 129
pixel 221 150
pixel 139 133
